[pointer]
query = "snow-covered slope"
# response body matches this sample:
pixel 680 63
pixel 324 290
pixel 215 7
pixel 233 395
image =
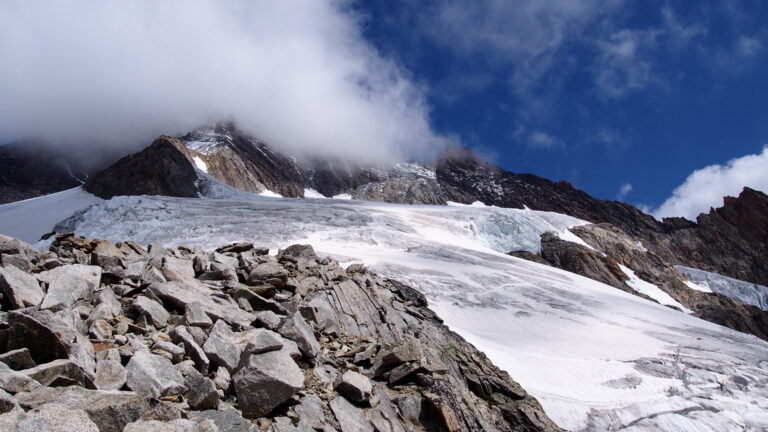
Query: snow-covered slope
pixel 597 358
pixel 745 292
pixel 29 219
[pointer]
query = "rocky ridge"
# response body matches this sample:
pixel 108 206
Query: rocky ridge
pixel 612 247
pixel 111 337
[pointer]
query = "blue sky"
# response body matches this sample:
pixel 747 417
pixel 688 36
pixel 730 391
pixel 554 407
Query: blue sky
pixel 600 93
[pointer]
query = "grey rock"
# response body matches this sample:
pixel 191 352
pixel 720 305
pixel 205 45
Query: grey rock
pixel 152 310
pixel 354 386
pixel 267 319
pixel 178 425
pixel 177 295
pixel 59 373
pixel 44 334
pixel 296 329
pixel 265 381
pixel 18 359
pixel 7 402
pixel 410 405
pixel 226 421
pixel 152 274
pixel 257 341
pixel 298 252
pixel 100 329
pixel 181 335
pixel 350 417
pixel 221 347
pixel 21 289
pixel 268 272
pixel 153 375
pixel 176 352
pixel 310 412
pixel 223 379
pixel 110 375
pixel 110 410
pixel 201 392
pixel 69 284
pixel 175 269
pixel 20 261
pixel 15 382
pixel 195 316
pixel 292 348
pixel 53 418
pixel 402 371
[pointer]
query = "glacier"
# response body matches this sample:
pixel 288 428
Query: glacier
pixel 745 292
pixel 597 358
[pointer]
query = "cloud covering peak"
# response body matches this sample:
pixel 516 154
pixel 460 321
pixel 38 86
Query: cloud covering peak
pixel 296 73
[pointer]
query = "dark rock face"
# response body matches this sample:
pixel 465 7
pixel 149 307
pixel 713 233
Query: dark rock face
pixel 731 240
pixel 30 169
pixel 246 163
pixel 466 178
pixel 583 261
pixel 160 169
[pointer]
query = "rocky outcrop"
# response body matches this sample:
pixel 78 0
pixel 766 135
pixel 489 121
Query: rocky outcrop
pixel 244 162
pixel 731 240
pixel 612 247
pixel 160 169
pixel 306 345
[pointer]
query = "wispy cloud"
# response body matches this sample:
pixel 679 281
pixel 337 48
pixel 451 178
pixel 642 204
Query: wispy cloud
pixel 297 73
pixel 706 187
pixel 624 190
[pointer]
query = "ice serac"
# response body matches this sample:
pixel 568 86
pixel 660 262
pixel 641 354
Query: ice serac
pixel 160 169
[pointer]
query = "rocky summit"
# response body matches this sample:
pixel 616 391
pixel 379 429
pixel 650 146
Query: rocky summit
pixel 101 336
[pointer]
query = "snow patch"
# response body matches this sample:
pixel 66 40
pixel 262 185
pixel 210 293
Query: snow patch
pixel 200 164
pixel 344 196
pixel 651 290
pixel 474 204
pixel 311 193
pixel 269 193
pixel 701 286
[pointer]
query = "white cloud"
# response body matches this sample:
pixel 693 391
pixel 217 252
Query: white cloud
pixel 625 189
pixel 297 73
pixel 542 140
pixel 706 187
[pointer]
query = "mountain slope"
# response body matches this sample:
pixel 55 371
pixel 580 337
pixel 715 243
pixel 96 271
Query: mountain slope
pixel 30 169
pixel 596 358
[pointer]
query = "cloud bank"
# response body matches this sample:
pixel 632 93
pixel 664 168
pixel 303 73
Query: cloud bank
pixel 296 73
pixel 706 187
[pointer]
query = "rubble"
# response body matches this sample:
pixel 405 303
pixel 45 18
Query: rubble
pixel 116 338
